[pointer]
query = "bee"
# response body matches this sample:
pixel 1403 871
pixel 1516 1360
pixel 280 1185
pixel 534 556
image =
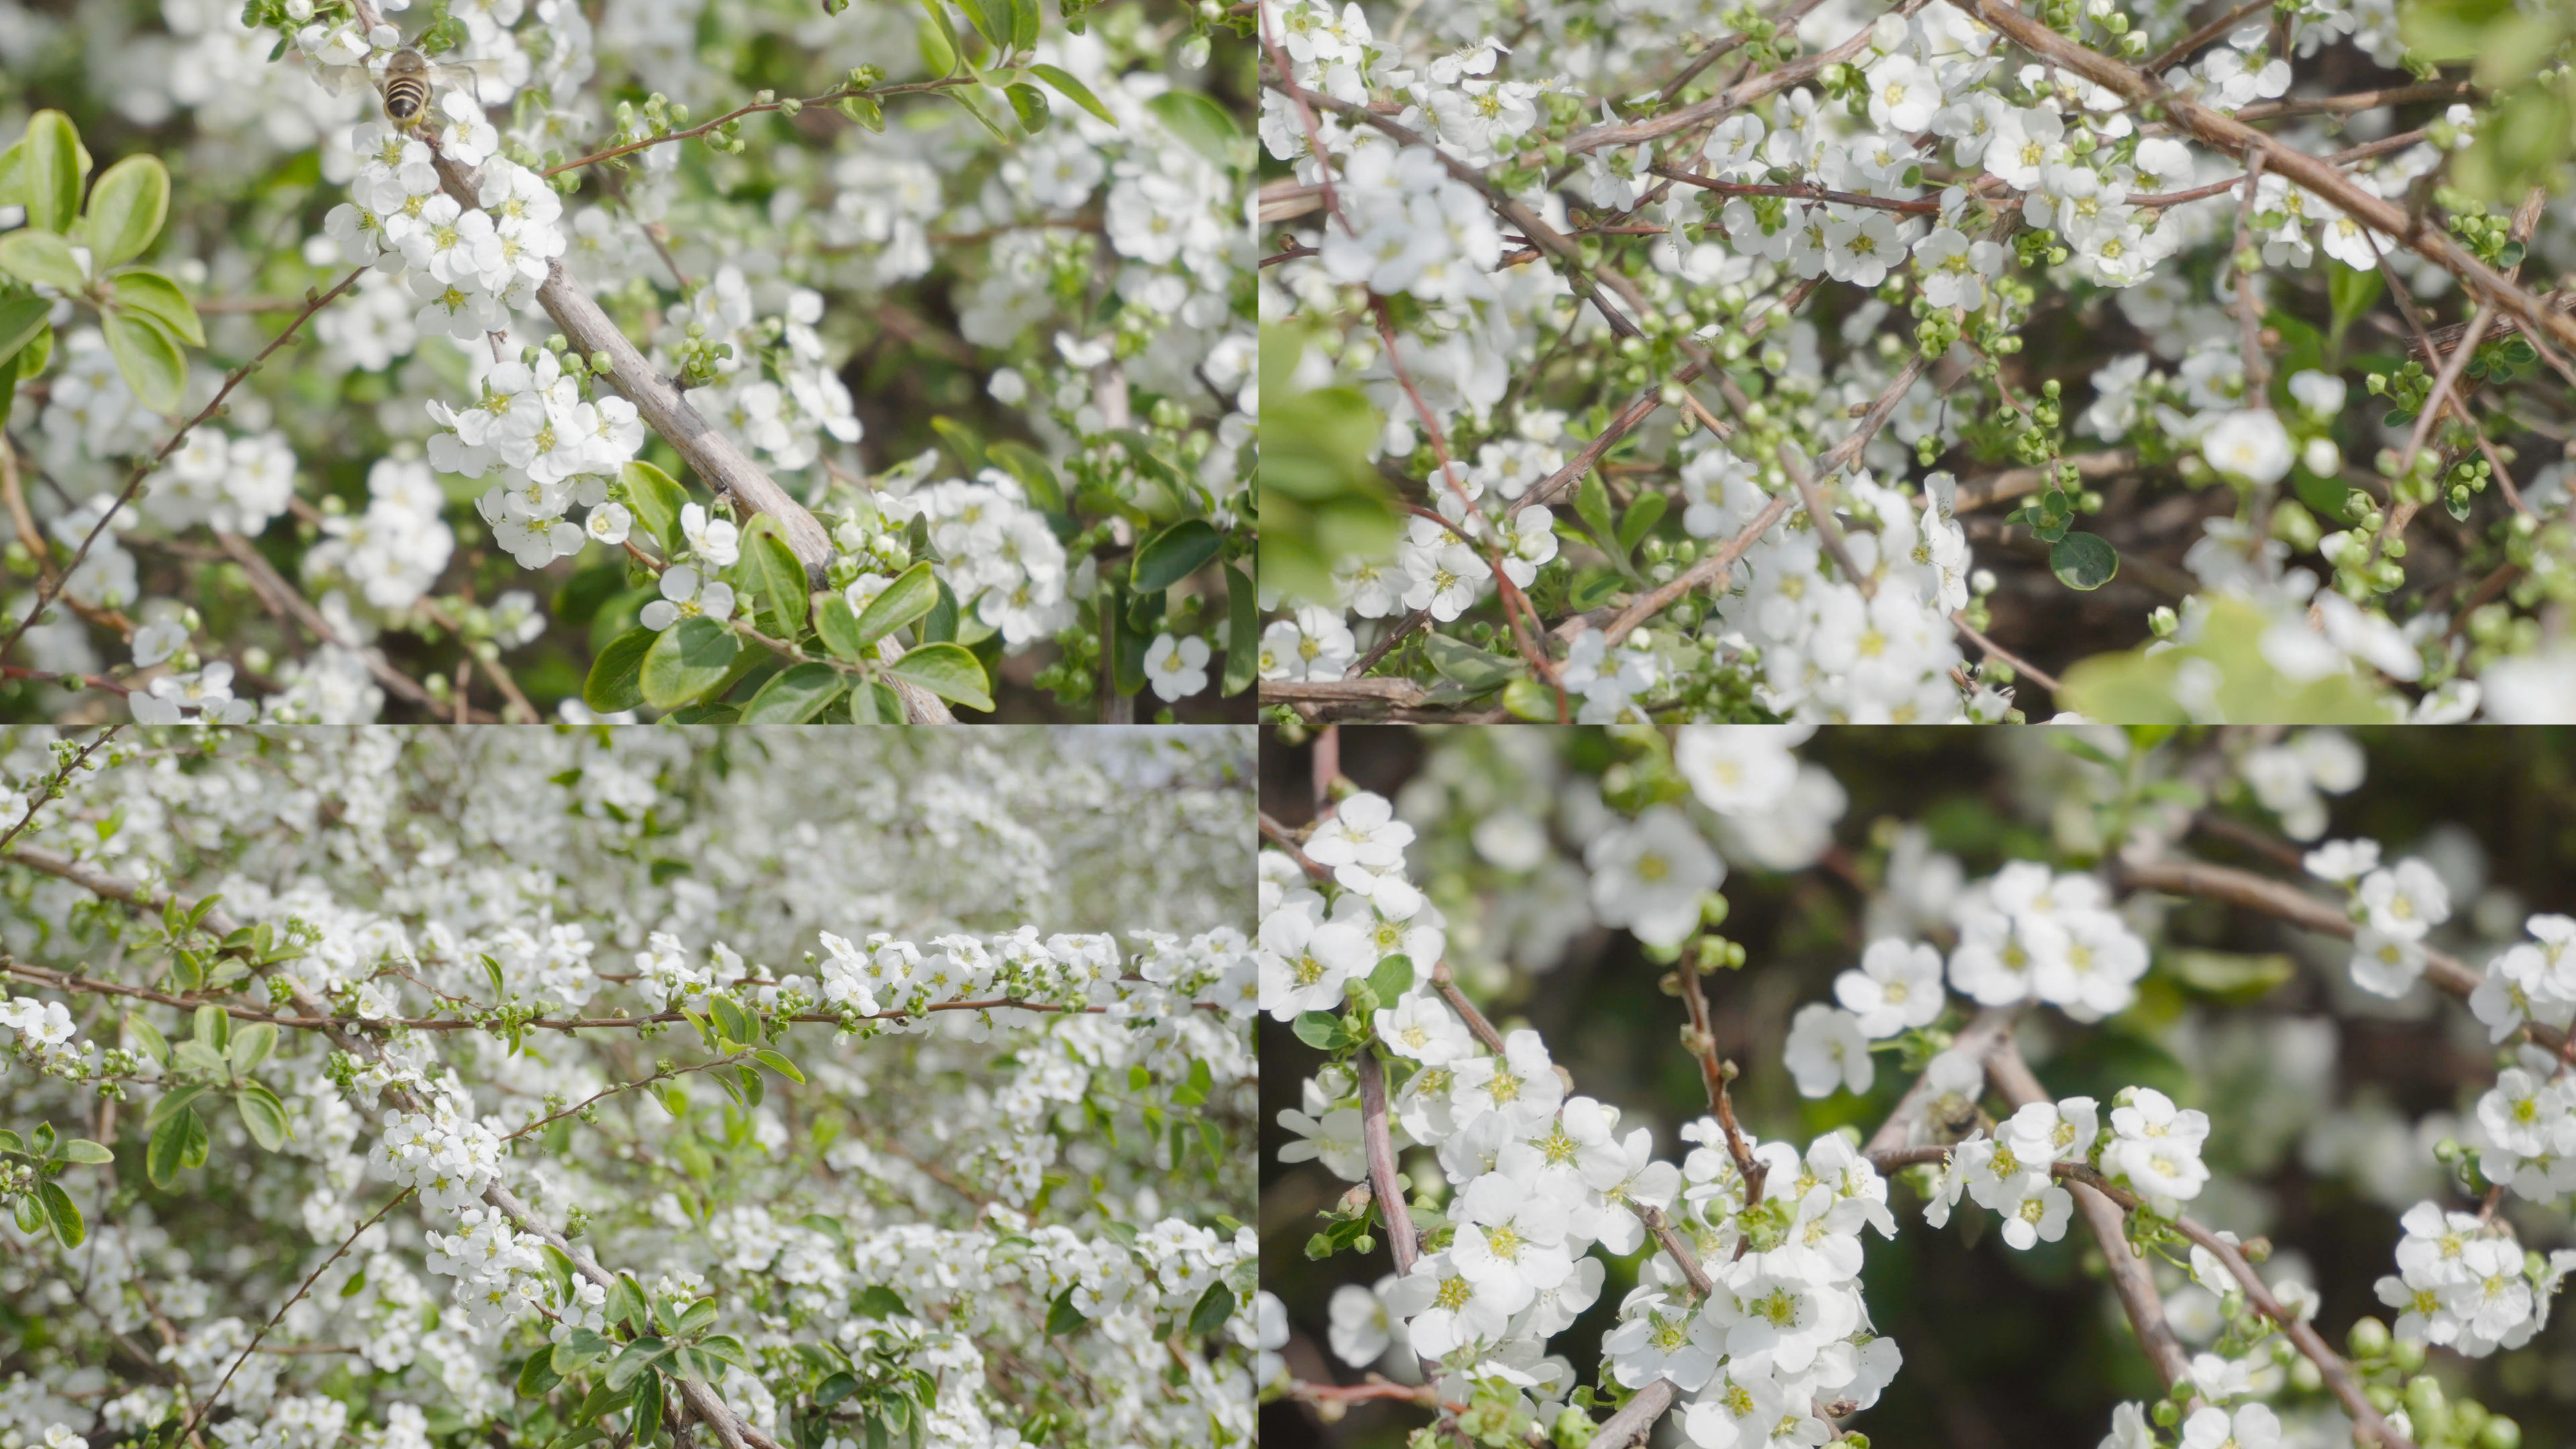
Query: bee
pixel 406 83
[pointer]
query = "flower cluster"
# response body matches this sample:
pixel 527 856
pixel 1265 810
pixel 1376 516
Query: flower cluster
pixel 1662 291
pixel 2027 934
pixel 454 899
pixel 2393 909
pixel 2464 1282
pixel 443 1153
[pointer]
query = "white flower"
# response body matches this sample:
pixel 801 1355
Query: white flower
pixel 1826 1050
pixel 1361 1331
pixel 1739 769
pixel 1176 668
pixel 2249 446
pixel 1651 875
pixel 2254 1426
pixel 2386 965
pixel 715 540
pixel 686 595
pixel 1421 1026
pixel 1304 962
pixel 1897 987
pixel 1361 831
pixel 2406 902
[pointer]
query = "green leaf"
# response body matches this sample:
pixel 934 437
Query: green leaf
pixel 1640 519
pixel 834 1389
pixel 251 1046
pixel 878 1301
pixel 1024 24
pixel 946 670
pixel 939 626
pixel 795 695
pixel 1030 105
pixel 691 658
pixel 2352 292
pixel 264 1115
pixel 1214 1307
pixel 940 51
pixel 961 440
pixel 161 300
pixel 1463 664
pixel 43 256
pixel 81 1149
pixel 778 1063
pixel 2238 976
pixel 909 597
pixel 1392 978
pixel 1193 1089
pixel 615 683
pixel 63 1215
pixel 1062 1316
pixel 538 1375
pixel 1201 124
pixel 648 1409
pixel 732 1020
pixel 2084 560
pixel 701 1315
pixel 640 1355
pixel 1592 505
pixel 50 171
pixel 21 318
pixel 150 1038
pixel 214 1027
pixel 626 1303
pixel 769 569
pixel 149 357
pixel 1073 90
pixel 1242 633
pixel 1174 554
pixel 724 1348
pixel 1036 475
pixel 180 1136
pixel 174 1102
pixel 656 500
pixel 1321 1030
pixel 126 209
pixel 839 628
pixel 994 30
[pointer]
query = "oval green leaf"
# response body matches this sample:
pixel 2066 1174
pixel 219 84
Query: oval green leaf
pixel 251 1046
pixel 909 597
pixel 50 171
pixel 1073 90
pixel 615 682
pixel 692 657
pixel 1174 554
pixel 1030 105
pixel 264 1115
pixel 656 499
pixel 947 670
pixel 2084 560
pixel 81 1149
pixel 21 318
pixel 159 298
pixel 1200 123
pixel 42 256
pixel 839 628
pixel 126 208
pixel 63 1216
pixel 769 569
pixel 795 695
pixel 150 360
pixel 1242 633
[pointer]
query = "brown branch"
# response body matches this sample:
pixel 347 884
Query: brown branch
pixel 2130 1277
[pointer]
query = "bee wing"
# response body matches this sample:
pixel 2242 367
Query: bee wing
pixel 341 80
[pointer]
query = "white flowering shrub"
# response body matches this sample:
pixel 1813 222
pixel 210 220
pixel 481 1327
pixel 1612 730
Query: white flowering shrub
pixel 1820 363
pixel 755 359
pixel 555 1087
pixel 2076 1088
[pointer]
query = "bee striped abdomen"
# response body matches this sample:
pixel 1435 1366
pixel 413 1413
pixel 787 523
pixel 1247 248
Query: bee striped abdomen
pixel 405 98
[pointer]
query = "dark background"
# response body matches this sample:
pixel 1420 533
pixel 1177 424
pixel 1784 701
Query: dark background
pixel 2001 1348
